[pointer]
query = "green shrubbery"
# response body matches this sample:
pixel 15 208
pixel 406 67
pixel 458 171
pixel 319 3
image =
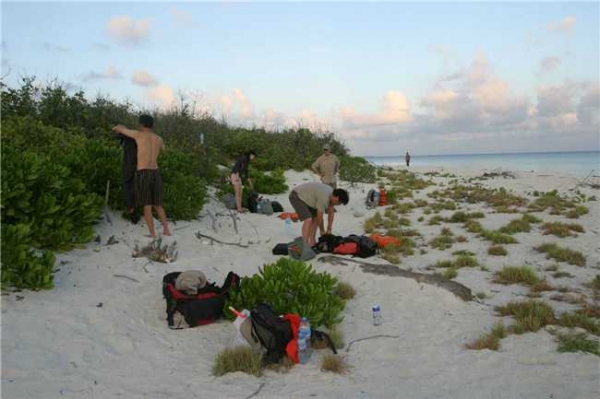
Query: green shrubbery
pixel 356 170
pixel 292 286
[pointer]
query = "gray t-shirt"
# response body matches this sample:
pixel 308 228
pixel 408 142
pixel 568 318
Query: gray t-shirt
pixel 316 195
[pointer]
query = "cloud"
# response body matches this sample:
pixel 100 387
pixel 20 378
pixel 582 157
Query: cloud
pixel 55 47
pixel 244 104
pixel 162 95
pixel 395 110
pixel 109 73
pixel 127 31
pixel 556 100
pixel 143 78
pixel 549 64
pixel 566 25
pixel 182 17
pixel 588 110
pixel 100 46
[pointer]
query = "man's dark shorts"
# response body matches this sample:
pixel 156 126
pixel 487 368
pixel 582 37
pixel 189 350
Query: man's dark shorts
pixel 304 211
pixel 148 187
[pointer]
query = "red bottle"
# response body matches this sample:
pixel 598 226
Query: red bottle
pixel 382 197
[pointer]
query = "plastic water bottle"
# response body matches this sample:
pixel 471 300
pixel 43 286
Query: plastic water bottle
pixel 304 340
pixel 242 317
pixel 288 226
pixel 377 320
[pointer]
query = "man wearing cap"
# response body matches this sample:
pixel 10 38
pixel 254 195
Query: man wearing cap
pixel 327 166
pixel 311 201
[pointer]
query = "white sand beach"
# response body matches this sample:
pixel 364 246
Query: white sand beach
pixel 101 332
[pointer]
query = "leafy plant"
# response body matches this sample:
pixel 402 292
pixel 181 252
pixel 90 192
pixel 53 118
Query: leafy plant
pixel 356 170
pixel 292 286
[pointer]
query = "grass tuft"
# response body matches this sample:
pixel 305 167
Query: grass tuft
pixel 473 226
pixel 345 290
pixel 572 320
pixel 577 343
pixel 497 250
pixel 516 226
pixel 562 229
pixel 235 359
pixel 579 210
pixel 562 254
pixel 334 363
pixel 516 275
pixel 497 237
pixel 529 315
pixel 489 341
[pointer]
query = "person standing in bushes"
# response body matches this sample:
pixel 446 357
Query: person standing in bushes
pixel 148 182
pixel 239 172
pixel 311 201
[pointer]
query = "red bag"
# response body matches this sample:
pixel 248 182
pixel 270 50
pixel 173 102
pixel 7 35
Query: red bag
pixel 383 241
pixel 347 248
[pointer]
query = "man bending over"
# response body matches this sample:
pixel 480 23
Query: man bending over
pixel 311 201
pixel 148 182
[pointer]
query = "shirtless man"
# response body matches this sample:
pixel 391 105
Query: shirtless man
pixel 148 183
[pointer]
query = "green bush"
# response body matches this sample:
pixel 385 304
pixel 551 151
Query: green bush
pixel 356 170
pixel 292 286
pixel 23 267
pixel 268 183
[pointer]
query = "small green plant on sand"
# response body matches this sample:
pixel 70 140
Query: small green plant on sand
pixel 516 275
pixel 240 358
pixel 579 210
pixel 489 341
pixel 345 290
pixel 473 226
pixel 574 319
pixel 497 237
pixel 516 226
pixel 554 251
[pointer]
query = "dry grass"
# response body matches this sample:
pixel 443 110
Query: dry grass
pixel 542 286
pixel 461 239
pixel 497 250
pixel 334 363
pixel 345 290
pixel 562 254
pixel 473 226
pixel 497 237
pixel 465 261
pixel 562 229
pixel 567 298
pixel 489 341
pixel 579 210
pixel 516 275
pixel 235 359
pixel 516 226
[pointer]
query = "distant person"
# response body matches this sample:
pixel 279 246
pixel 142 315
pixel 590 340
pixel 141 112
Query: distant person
pixel 327 166
pixel 407 158
pixel 311 201
pixel 239 172
pixel 148 182
pixel 129 167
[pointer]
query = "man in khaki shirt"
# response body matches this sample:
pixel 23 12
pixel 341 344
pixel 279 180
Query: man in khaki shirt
pixel 148 187
pixel 327 166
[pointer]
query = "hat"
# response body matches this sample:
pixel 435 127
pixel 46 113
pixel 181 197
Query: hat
pixel 326 147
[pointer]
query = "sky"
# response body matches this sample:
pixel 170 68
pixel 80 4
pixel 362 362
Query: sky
pixel 386 77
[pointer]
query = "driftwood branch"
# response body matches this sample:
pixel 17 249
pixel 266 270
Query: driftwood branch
pixel 262 384
pixel 457 289
pixel 127 277
pixel 366 338
pixel 200 236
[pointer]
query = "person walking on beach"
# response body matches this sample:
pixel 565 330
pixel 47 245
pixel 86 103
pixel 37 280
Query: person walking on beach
pixel 327 166
pixel 311 201
pixel 148 182
pixel 407 158
pixel 239 172
pixel 129 167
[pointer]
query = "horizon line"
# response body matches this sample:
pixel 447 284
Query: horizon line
pixel 479 153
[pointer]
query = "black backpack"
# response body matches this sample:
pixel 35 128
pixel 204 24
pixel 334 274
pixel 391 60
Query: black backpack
pixel 276 206
pixel 203 308
pixel 272 331
pixel 328 242
pixel 367 247
pixel 252 201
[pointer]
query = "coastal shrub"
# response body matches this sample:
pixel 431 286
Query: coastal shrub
pixel 292 286
pixel 461 217
pixel 559 253
pixel 562 229
pixel 268 183
pixel 516 275
pixel 345 290
pixel 356 170
pixel 577 342
pixel 22 266
pixel 495 198
pixel 240 358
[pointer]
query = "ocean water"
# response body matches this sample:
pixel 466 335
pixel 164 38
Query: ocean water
pixel 579 163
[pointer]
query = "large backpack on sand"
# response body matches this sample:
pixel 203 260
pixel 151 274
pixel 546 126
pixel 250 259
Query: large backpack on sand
pixel 361 246
pixel 372 199
pixel 273 332
pixel 195 310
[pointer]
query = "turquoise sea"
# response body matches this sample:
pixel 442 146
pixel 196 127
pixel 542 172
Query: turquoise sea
pixel 579 163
